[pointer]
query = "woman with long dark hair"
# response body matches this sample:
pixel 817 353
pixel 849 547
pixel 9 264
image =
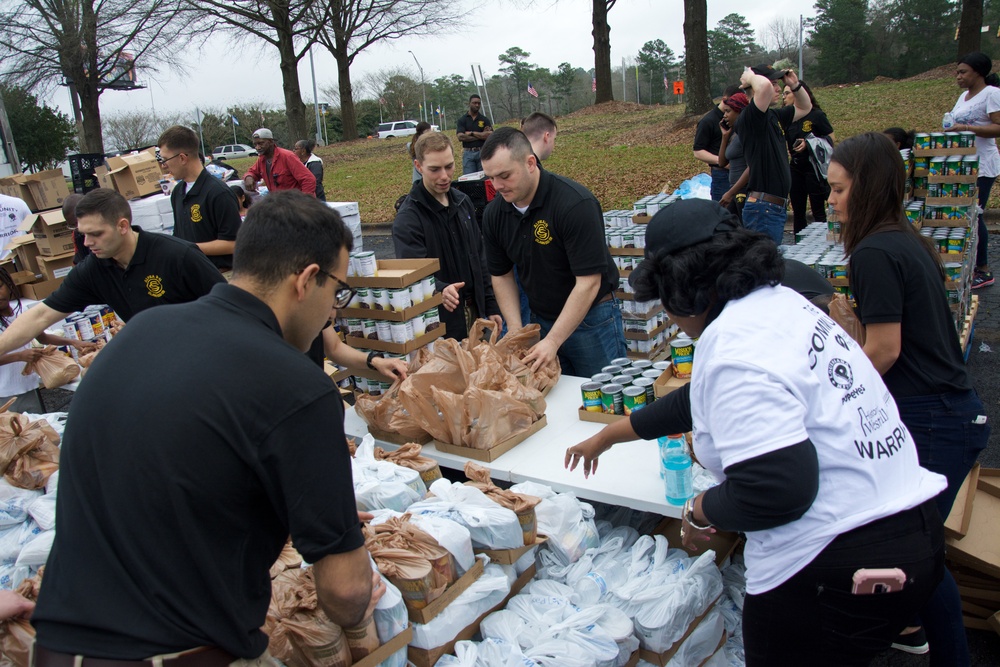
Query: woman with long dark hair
pixel 806 185
pixel 898 280
pixel 978 110
pixel 776 392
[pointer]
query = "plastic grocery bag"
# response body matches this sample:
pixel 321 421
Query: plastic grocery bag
pixel 28 450
pixel 702 641
pixel 568 522
pixel 562 652
pixel 17 634
pixel 390 620
pixel 491 652
pixel 387 413
pixel 54 367
pixel 521 504
pixel 34 554
pixel 451 535
pixel 43 511
pixel 413 560
pixel 14 502
pixel 483 594
pixel 843 314
pixel 490 526
pixel 13 540
pixel 550 588
pixel 516 345
pixel 409 456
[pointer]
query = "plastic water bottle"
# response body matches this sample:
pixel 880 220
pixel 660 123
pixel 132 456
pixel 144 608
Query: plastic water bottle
pixel 595 584
pixel 948 121
pixel 676 462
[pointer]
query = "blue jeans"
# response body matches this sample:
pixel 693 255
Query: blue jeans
pixel 720 183
pixel 984 184
pixel 471 162
pixel 763 216
pixel 599 339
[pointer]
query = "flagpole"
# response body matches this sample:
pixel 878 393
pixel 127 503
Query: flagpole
pixel 233 119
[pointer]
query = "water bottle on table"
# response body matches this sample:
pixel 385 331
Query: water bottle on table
pixel 675 467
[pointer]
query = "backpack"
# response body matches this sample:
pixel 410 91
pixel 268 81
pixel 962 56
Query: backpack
pixel 820 149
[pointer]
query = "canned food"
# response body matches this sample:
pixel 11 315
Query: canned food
pixel 592 397
pixel 601 378
pixel 612 399
pixel 364 297
pixel 367 265
pixel 370 328
pixel 379 298
pixel 419 328
pixel 623 380
pixel 633 399
pixel 431 320
pixel 922 140
pixel 643 364
pixel 399 299
pixel 646 384
pixel 427 286
pixel 682 356
pixel 402 332
pixel 614 369
pixel 621 361
pixel 383 330
pixel 355 327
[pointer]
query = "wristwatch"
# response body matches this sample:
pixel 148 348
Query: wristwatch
pixel 687 513
pixel 372 355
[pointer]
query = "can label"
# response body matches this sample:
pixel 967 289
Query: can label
pixel 612 399
pixel 682 356
pixel 633 398
pixel 592 397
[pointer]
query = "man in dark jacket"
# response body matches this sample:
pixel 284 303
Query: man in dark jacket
pixel 437 220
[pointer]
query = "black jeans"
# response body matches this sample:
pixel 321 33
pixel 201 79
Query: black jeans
pixel 805 185
pixel 984 185
pixel 814 619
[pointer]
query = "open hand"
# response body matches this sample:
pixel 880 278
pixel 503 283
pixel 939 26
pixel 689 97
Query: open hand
pixel 450 296
pixel 587 452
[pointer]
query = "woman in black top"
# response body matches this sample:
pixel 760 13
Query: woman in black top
pixel 897 279
pixel 805 183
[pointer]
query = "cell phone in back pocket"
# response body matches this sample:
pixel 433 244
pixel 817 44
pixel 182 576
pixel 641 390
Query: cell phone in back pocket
pixel 874 581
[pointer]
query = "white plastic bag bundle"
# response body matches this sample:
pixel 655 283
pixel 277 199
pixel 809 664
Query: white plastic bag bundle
pixel 451 535
pixel 701 643
pixel 568 522
pixel 549 588
pixel 490 525
pixel 551 565
pixel 488 653
pixel 583 631
pixel 620 628
pixel 13 539
pixel 525 561
pixel 486 592
pixel 503 624
pixel 560 653
pixel 11 576
pixel 384 471
pixel 665 612
pixel 390 618
pixel 43 511
pixel 13 503
pixel 641 557
pixel 626 534
pixel 371 494
pixel 34 554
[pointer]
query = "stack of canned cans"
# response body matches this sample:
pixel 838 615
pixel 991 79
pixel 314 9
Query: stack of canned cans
pixel 622 387
pixel 926 141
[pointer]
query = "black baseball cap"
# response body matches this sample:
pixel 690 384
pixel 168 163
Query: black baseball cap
pixel 768 71
pixel 686 223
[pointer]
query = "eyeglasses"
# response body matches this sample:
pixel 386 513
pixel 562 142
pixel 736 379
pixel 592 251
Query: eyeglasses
pixel 343 295
pixel 163 160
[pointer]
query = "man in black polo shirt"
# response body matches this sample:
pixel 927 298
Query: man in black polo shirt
pixel 206 212
pixel 708 141
pixel 552 230
pixel 176 495
pixel 437 220
pixel 472 130
pixel 760 130
pixel 128 269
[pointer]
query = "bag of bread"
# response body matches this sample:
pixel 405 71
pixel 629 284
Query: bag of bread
pixel 316 640
pixel 54 367
pixel 521 504
pixel 28 450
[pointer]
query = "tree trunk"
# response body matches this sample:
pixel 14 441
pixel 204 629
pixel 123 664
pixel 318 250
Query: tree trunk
pixel 91 135
pixel 698 85
pixel 969 28
pixel 295 110
pixel 602 52
pixel 348 115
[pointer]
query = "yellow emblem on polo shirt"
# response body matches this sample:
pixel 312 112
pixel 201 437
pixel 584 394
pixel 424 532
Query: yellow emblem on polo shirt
pixel 196 213
pixel 542 234
pixel 482 124
pixel 807 126
pixel 154 284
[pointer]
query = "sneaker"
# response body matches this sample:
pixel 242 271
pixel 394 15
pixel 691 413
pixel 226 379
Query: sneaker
pixel 982 279
pixel 915 643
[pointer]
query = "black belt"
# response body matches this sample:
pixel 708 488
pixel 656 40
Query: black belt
pixel 472 149
pixel 607 297
pixel 206 657
pixel 770 199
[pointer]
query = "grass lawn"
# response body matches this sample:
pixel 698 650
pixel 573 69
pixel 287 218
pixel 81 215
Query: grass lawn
pixel 624 151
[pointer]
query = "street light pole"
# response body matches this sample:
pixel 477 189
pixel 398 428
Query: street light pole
pixel 422 87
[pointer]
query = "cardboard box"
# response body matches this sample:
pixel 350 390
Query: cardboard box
pixel 136 175
pixel 428 657
pixel 21 277
pixel 40 290
pixel 14 186
pixel 667 383
pixel 55 267
pixel 426 614
pixel 103 176
pixel 628 252
pixel 398 348
pixel 383 652
pixel 635 335
pixel 26 252
pixel 495 452
pixel 397 273
pixel 957 525
pixel 396 438
pixel 511 556
pixel 51 234
pixel 598 417
pixel 979 550
pixel 661 659
pixel 46 189
pixel 722 542
pixel 989 480
pixel 393 315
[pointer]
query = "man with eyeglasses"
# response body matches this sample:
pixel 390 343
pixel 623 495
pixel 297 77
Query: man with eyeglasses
pixel 280 169
pixel 206 212
pixel 128 269
pixel 177 494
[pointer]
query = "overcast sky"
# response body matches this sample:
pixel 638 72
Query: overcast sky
pixel 552 31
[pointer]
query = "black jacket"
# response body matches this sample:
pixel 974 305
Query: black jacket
pixel 424 228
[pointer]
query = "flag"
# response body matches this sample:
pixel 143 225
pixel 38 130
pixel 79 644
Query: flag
pixel 531 90
pixel 438 110
pixel 666 84
pixel 420 106
pixel 235 122
pixel 381 100
pixel 262 121
pixel 593 85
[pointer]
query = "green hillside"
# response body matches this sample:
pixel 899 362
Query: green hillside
pixel 623 151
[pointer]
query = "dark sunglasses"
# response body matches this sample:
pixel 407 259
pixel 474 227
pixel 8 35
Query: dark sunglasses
pixel 344 292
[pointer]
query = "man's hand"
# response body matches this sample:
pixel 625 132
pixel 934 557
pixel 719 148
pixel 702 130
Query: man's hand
pixel 727 199
pixel 13 605
pixel 390 368
pixel 83 346
pixel 450 296
pixel 249 183
pixel 543 352
pixel 587 452
pixel 497 320
pixel 799 146
pixel 30 355
pixel 746 79
pixel 790 79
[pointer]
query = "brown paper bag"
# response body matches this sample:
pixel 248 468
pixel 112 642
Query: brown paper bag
pixel 493 417
pixel 54 367
pixel 316 640
pixel 288 558
pixel 17 634
pixel 28 450
pixel 86 359
pixel 843 314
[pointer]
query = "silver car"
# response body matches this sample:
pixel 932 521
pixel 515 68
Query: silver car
pixel 233 151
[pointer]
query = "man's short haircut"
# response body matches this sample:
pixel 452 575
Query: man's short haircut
pixel 510 138
pixel 431 142
pixel 180 138
pixel 284 233
pixel 537 124
pixel 69 208
pixel 730 91
pixel 474 96
pixel 107 204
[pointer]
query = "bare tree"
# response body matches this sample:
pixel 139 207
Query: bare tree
pixel 129 130
pixel 781 37
pixel 354 25
pixel 602 50
pixel 699 96
pixel 291 26
pixel 90 45
pixel 373 84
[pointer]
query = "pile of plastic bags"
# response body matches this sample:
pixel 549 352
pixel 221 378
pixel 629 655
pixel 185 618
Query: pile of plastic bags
pixel 383 484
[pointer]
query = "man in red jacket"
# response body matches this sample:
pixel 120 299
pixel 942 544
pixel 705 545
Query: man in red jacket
pixel 279 168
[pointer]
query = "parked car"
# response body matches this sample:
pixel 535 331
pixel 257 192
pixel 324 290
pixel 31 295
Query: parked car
pixel 233 151
pixel 399 128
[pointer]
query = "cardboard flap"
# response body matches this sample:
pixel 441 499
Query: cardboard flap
pixel 19 241
pixel 26 224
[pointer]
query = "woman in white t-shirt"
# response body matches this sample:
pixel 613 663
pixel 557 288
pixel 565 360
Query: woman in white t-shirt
pixel 13 384
pixel 814 463
pixel 978 111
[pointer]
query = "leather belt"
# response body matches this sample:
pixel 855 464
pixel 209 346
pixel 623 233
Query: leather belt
pixel 770 199
pixel 203 657
pixel 607 297
pixel 472 149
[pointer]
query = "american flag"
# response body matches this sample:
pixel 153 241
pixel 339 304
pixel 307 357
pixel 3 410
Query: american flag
pixel 531 90
pixel 593 85
pixel 666 84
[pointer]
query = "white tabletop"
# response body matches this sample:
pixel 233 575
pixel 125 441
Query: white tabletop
pixel 627 475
